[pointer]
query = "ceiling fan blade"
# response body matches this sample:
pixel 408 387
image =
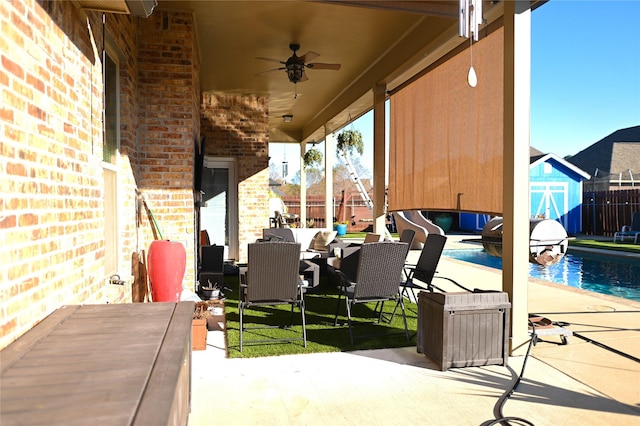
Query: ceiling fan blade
pixel 270 71
pixel 271 60
pixel 304 77
pixel 321 66
pixel 309 56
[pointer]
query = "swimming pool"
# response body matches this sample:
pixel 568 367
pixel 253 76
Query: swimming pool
pixel 612 275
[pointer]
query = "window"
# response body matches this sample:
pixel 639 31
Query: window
pixel 109 157
pixel 111 101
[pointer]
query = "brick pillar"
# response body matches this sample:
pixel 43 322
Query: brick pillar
pixel 168 95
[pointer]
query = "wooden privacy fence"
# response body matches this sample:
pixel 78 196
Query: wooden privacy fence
pixel 606 212
pixel 315 209
pixel 603 212
pixel 356 209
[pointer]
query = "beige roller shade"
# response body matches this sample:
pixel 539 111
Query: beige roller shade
pixel 446 137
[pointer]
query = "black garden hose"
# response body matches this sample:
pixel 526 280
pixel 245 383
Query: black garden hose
pixel 506 420
pixel 532 342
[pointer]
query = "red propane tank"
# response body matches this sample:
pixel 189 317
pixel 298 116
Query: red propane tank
pixel 166 263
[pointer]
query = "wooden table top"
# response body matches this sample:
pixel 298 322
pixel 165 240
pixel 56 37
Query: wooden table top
pixel 95 364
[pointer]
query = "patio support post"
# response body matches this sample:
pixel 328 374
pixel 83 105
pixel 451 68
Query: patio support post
pixel 379 160
pixel 517 101
pixel 329 158
pixel 303 186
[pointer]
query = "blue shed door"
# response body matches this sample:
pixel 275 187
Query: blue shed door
pixel 550 199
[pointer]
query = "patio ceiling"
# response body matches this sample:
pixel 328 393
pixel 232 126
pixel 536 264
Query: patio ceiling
pixel 376 42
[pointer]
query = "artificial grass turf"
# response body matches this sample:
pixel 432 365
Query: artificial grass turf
pixel 322 335
pixel 606 245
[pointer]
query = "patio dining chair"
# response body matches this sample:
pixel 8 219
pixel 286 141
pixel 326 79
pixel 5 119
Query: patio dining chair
pixel 372 238
pixel 377 278
pixel 211 273
pixel 425 269
pixel 407 236
pixel 420 276
pixel 272 278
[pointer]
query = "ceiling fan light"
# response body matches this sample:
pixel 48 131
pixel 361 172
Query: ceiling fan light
pixel 295 72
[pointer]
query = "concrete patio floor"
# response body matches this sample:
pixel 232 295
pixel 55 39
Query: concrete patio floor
pixel 581 383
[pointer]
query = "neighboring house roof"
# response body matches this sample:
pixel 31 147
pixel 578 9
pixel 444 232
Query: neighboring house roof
pixel 617 153
pixel 538 159
pixel 534 152
pixel 274 186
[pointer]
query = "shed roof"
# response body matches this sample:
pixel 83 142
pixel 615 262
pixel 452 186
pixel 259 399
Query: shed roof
pixel 537 159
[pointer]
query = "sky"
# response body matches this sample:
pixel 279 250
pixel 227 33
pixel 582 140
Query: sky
pixel 585 72
pixel 585 78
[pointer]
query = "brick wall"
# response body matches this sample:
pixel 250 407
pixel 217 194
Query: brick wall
pixel 169 127
pixel 52 206
pixel 51 229
pixel 237 127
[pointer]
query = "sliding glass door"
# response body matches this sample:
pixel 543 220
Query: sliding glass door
pixel 219 214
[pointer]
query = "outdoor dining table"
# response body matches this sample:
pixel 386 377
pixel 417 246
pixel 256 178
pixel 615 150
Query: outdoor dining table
pixel 333 262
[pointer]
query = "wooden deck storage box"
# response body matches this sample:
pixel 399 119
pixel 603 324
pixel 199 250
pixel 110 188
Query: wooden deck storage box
pixel 464 329
pixel 127 364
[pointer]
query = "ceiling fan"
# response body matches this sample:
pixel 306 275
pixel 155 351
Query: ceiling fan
pixel 295 65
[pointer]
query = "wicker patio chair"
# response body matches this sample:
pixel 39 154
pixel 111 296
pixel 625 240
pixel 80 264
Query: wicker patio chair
pixel 378 276
pixel 406 236
pixel 272 278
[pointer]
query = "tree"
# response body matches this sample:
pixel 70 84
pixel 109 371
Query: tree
pixel 290 189
pixel 274 172
pixel 314 176
pixel 362 171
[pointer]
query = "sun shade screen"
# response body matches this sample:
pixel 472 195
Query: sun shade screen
pixel 446 137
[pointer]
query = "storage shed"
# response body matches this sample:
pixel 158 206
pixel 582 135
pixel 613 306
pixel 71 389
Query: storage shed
pixel 555 191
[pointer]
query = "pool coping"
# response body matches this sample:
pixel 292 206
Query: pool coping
pixel 535 280
pixel 606 252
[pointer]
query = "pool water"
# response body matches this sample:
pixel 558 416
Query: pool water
pixel 612 275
